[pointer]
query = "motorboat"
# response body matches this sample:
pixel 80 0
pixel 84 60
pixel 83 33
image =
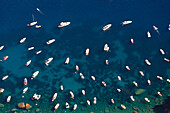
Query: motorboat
pixel 162 51
pixel 48 61
pixel 87 51
pixel 22 40
pixel 54 97
pixel 25 81
pixel 126 22
pixel 28 63
pixel 35 74
pixel 1 47
pixel 63 24
pixel 50 41
pixel 32 23
pixel 38 52
pixel 5 77
pixel 107 27
pixel 25 90
pixel 67 60
pixel 30 48
pixel 147 62
pixel 148 34
pixel 8 99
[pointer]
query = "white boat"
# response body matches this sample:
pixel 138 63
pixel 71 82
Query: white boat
pixel 112 101
pixel 132 40
pixel 88 102
pixel 107 27
pixel 93 78
pixel 67 105
pixel 156 29
pixel 67 60
pixel 141 72
pixel 50 41
pixel 38 52
pixel 28 63
pixel 169 27
pixel 147 62
pixel 127 67
pixel 126 22
pixel 35 74
pixel 8 99
pixel 75 107
pixel 81 75
pixel 1 47
pixel 22 40
pixel 48 61
pixel 77 68
pixel 83 92
pixel 31 48
pixel 25 90
pixel 37 26
pixel 106 47
pixel 5 77
pixel 36 96
pixel 72 94
pixel 87 51
pixel 1 90
pixel 32 23
pixel 62 87
pixel 148 34
pixel 162 51
pixel 54 97
pixel 166 59
pixel 56 106
pixel 25 81
pixel 63 24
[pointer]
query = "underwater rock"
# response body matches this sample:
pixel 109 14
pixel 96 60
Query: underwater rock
pixel 14 109
pixel 21 105
pixel 106 111
pixel 37 110
pixel 139 91
pixel 2 105
pixel 81 102
pixel 28 106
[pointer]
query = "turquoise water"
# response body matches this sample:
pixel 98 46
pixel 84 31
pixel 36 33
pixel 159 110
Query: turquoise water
pixel 85 31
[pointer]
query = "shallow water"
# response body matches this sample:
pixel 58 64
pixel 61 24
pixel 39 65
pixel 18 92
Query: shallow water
pixel 85 31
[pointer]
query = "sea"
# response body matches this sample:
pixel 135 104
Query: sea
pixel 108 88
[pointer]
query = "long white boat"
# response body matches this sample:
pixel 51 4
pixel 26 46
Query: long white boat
pixel 56 106
pixel 32 23
pixel 126 22
pixel 25 90
pixel 50 41
pixel 35 74
pixel 38 52
pixel 54 97
pixel 147 62
pixel 5 77
pixel 22 40
pixel 107 27
pixel 1 47
pixel 30 48
pixel 63 24
pixel 28 63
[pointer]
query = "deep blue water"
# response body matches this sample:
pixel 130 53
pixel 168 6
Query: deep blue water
pixel 85 31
